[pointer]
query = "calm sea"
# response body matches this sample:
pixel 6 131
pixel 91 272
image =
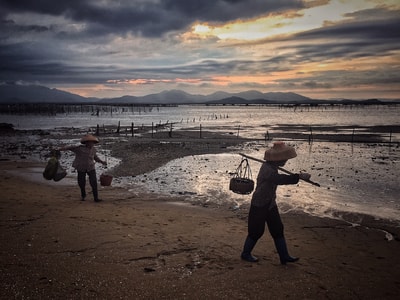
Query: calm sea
pixel 355 178
pixel 253 120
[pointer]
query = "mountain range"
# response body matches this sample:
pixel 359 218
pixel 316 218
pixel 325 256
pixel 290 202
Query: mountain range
pixel 16 93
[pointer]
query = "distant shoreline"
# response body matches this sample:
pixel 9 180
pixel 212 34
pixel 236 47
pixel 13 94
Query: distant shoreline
pixel 52 108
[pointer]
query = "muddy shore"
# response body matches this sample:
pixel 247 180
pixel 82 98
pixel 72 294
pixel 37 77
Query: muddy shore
pixel 143 246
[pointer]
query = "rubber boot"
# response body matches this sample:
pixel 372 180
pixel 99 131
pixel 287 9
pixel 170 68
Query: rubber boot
pixel 82 184
pixel 96 195
pixel 247 248
pixel 284 256
pixel 93 184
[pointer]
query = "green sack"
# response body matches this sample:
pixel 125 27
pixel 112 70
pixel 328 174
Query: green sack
pixel 51 168
pixel 60 174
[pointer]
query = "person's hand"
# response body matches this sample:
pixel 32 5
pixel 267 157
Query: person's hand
pixel 305 176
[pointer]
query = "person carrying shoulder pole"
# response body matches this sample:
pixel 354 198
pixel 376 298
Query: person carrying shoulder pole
pixel 263 208
pixel 84 163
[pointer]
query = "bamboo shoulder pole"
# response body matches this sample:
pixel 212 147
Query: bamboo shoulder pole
pixel 281 169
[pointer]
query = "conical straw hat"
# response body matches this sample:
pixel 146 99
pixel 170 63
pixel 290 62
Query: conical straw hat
pixel 280 151
pixel 89 138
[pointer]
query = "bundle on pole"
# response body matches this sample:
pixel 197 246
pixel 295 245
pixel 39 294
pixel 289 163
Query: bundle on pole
pixel 280 168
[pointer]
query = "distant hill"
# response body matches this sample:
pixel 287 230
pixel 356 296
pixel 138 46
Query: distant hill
pixel 269 98
pixel 255 96
pixel 15 93
pixel 171 97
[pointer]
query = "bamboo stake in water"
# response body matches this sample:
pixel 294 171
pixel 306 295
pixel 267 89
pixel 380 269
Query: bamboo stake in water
pixel 280 168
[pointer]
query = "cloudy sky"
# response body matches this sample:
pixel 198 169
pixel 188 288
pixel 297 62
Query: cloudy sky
pixel 110 48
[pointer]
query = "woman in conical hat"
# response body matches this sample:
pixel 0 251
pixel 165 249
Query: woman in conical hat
pixel 263 208
pixel 84 163
pixel 280 152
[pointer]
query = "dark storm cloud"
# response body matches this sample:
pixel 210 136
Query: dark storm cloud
pixel 381 30
pixel 330 79
pixel 148 18
pixel 10 25
pixel 360 37
pixel 88 41
pixel 38 51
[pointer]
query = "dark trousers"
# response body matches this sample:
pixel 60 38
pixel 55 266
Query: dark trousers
pixel 92 181
pixel 258 216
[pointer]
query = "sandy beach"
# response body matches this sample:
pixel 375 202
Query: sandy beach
pixel 144 246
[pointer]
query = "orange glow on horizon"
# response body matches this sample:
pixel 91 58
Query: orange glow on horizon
pixel 142 81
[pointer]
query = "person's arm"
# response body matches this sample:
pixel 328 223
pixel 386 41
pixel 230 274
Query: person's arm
pixel 97 159
pixel 282 179
pixel 66 148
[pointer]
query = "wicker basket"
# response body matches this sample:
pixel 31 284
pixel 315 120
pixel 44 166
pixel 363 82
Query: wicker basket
pixel 242 182
pixel 105 179
pixel 243 186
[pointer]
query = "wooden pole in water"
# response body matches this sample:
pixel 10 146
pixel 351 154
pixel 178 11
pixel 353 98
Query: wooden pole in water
pixel 281 169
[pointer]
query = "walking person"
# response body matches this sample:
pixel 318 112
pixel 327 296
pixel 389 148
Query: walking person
pixel 84 163
pixel 263 208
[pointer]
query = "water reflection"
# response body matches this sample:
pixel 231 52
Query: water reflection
pixel 349 183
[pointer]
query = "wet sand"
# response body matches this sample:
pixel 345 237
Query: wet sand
pixel 135 245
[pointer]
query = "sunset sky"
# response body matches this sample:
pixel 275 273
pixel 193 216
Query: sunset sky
pixel 108 48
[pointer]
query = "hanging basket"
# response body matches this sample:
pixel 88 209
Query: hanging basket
pixel 105 179
pixel 242 182
pixel 241 186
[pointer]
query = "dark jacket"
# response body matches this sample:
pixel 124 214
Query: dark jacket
pixel 84 158
pixel 268 180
